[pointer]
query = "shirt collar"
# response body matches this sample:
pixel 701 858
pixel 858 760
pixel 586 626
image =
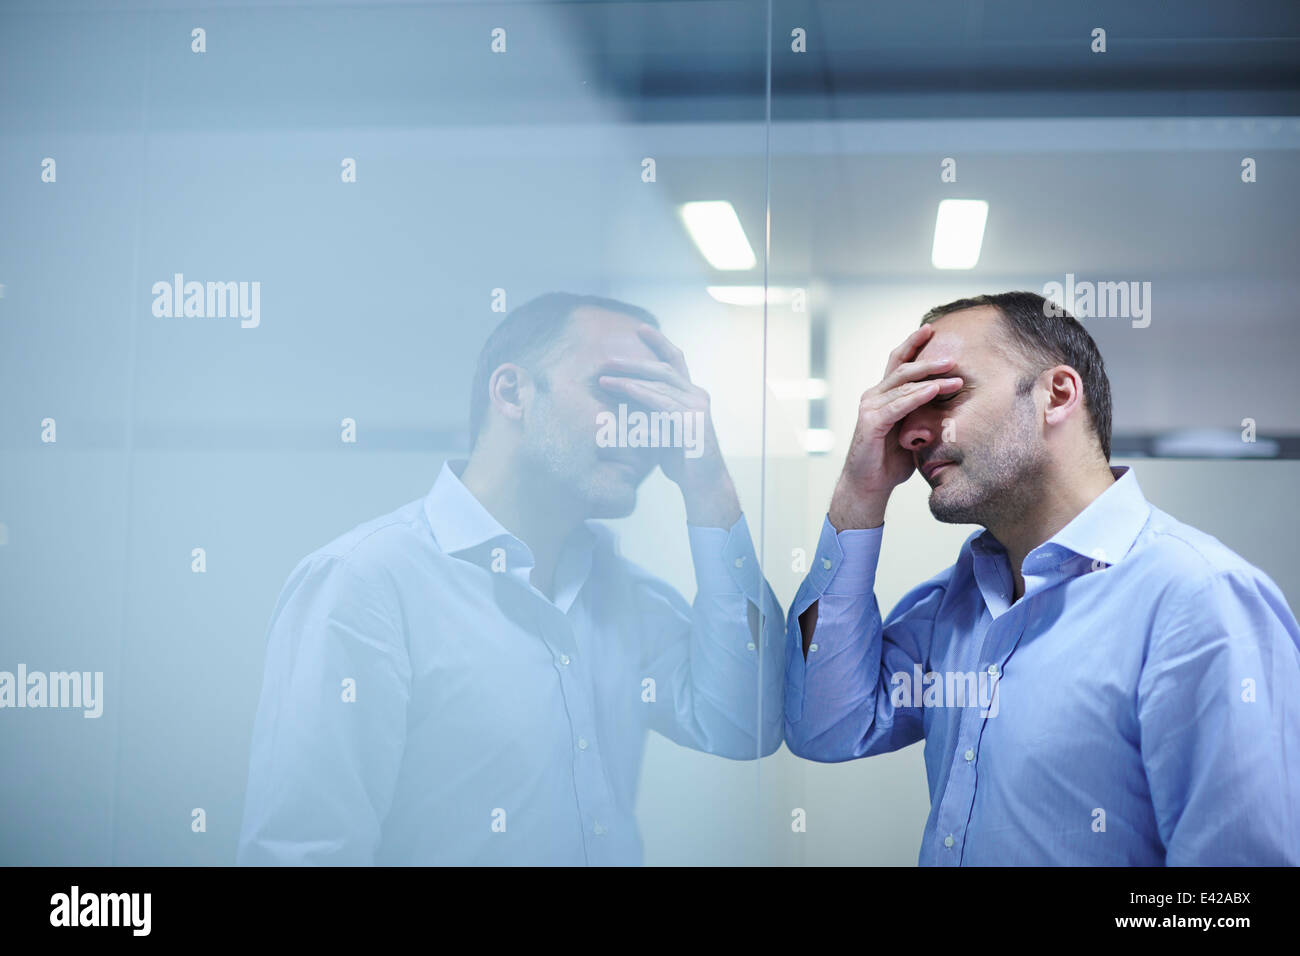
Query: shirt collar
pixel 1103 532
pixel 462 526
pixel 1106 530
pixel 458 519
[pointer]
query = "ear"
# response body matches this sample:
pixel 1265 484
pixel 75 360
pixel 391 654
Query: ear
pixel 510 388
pixel 1064 394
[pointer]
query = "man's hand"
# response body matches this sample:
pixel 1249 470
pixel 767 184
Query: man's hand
pixel 665 386
pixel 876 463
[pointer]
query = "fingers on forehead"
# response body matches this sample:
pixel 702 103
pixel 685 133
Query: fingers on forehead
pixel 663 346
pixel 650 333
pixel 914 341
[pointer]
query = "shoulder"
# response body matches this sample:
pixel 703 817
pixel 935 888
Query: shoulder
pixel 369 552
pixel 1190 566
pixel 1201 587
pixel 1187 554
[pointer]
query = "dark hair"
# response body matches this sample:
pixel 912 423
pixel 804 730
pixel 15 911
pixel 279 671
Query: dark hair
pixel 1043 335
pixel 526 336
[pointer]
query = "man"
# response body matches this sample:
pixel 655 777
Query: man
pixel 1096 682
pixel 469 679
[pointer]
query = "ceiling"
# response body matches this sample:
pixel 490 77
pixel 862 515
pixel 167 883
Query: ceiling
pixel 1116 166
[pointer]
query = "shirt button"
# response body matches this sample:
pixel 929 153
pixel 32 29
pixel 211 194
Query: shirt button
pixel 811 648
pixel 948 841
pixel 993 670
pixel 750 645
pixel 826 563
pixel 582 743
pixel 970 754
pixel 740 562
pixel 564 659
pixel 598 829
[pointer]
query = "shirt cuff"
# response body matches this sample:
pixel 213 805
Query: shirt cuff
pixel 845 562
pixel 725 560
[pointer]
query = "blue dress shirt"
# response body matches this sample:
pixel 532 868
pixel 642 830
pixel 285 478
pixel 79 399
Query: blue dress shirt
pixel 1139 705
pixel 490 724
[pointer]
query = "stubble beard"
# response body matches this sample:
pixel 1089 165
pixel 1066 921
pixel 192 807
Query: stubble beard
pixel 562 466
pixel 1001 481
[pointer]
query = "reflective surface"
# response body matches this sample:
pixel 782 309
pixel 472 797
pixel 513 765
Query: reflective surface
pixel 249 274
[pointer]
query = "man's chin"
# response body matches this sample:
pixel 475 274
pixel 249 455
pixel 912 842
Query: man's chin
pixel 612 502
pixel 949 510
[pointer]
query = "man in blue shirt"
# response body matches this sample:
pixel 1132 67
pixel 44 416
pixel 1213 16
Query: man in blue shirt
pixel 470 679
pixel 1096 682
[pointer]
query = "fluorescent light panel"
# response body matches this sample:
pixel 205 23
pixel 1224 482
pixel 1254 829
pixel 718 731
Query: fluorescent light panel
pixel 750 294
pixel 717 233
pixel 959 233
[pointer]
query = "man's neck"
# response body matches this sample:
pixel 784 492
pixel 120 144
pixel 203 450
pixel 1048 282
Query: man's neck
pixel 510 493
pixel 1060 500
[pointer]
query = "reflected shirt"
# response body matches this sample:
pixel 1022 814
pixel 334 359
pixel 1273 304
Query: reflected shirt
pixel 1139 705
pixel 423 703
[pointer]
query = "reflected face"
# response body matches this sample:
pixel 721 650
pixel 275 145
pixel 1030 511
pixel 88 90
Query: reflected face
pixel 560 433
pixel 981 449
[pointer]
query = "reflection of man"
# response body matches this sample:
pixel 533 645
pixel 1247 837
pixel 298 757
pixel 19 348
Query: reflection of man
pixel 505 660
pixel 1143 678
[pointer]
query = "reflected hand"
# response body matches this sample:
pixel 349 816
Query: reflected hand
pixel 695 463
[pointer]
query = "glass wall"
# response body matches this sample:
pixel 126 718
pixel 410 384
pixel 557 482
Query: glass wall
pixel 1116 157
pixel 419 417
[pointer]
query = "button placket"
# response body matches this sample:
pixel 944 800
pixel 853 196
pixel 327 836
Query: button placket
pixel 969 733
pixel 594 800
pixel 962 763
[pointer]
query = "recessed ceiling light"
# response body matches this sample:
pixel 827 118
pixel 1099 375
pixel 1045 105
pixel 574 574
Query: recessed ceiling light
pixel 959 233
pixel 718 235
pixel 750 294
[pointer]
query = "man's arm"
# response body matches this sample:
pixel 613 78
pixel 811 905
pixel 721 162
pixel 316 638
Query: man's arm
pixel 1219 709
pixel 331 724
pixel 717 663
pixel 849 675
pixel 839 652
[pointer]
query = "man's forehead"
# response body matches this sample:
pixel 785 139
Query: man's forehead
pixel 964 335
pixel 601 333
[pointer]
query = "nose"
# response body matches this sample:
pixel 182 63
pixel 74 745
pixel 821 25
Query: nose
pixel 919 430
